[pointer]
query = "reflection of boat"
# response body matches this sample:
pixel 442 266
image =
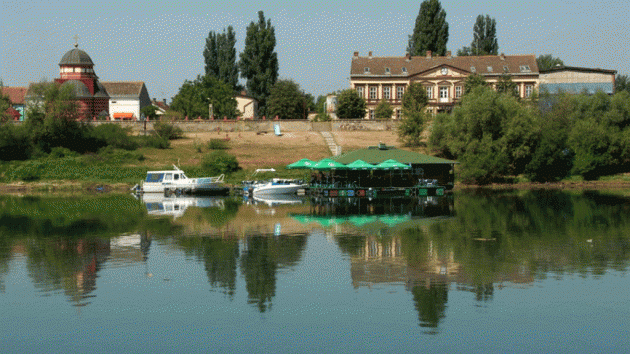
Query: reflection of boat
pixel 175 206
pixel 272 200
pixel 175 181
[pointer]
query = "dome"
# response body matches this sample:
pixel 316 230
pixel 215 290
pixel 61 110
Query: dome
pixel 76 56
pixel 80 90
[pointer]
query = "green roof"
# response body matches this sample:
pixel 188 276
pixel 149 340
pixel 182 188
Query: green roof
pixel 381 153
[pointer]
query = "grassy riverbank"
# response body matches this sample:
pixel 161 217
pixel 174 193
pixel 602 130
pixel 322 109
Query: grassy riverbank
pixel 119 171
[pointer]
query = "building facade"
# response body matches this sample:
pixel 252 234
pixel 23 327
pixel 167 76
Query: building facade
pixel 247 106
pixel 17 97
pixel 573 79
pixel 126 99
pixel 387 78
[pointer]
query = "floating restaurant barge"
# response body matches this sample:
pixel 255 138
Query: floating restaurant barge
pixel 379 171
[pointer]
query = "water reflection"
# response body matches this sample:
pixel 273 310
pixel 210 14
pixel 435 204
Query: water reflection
pixel 476 243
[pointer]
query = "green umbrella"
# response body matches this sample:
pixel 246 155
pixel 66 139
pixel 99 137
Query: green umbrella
pixel 360 165
pixel 328 164
pixel 302 164
pixel 392 165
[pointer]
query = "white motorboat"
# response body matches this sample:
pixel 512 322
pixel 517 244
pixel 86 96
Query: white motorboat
pixel 277 186
pixel 175 181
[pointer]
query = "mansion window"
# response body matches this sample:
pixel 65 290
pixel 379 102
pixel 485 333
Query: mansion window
pixel 387 92
pixel 398 113
pixel 525 68
pixel 443 92
pixel 529 89
pixel 360 91
pixel 458 91
pixel 371 114
pixel 429 92
pixel 373 92
pixel 400 91
pixel 387 71
pixel 517 90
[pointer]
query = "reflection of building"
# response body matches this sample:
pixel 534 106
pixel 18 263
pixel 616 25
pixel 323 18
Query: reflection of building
pixel 387 78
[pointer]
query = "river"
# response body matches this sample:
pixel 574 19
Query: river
pixel 473 271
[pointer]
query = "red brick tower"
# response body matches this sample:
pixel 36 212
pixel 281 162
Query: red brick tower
pixel 77 70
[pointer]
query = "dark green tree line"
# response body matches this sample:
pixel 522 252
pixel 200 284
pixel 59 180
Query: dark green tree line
pixel 220 57
pixel 484 38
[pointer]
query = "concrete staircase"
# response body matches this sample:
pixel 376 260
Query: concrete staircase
pixel 332 145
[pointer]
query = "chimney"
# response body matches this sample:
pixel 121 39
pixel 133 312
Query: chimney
pixel 428 54
pixel 408 57
pixel 356 55
pixel 502 56
pixel 448 54
pixel 243 93
pixel 370 54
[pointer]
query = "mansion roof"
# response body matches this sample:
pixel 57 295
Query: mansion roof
pixel 408 66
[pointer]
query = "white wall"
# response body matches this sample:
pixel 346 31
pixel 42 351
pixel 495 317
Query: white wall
pixel 124 105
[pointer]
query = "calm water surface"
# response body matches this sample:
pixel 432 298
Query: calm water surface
pixel 469 272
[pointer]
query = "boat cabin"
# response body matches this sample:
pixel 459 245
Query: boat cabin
pixel 165 176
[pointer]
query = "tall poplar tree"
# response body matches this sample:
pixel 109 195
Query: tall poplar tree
pixel 220 57
pixel 484 38
pixel 431 30
pixel 259 61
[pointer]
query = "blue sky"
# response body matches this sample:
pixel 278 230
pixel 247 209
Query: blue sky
pixel 161 42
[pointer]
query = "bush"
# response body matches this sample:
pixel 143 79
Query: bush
pixel 218 144
pixel 115 136
pixel 14 143
pixel 119 155
pixel 219 162
pixel 29 171
pixel 153 141
pixel 61 152
pixel 167 131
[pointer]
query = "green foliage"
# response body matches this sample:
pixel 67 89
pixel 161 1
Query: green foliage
pixel 485 36
pixel 383 110
pixel 430 31
pixel 259 62
pixel 287 101
pixel 194 98
pixel 350 105
pixel 472 81
pixel 220 57
pixel 491 134
pixel 622 83
pixel 5 104
pixel 28 171
pixel 548 61
pixel 218 144
pixel 114 135
pixel 167 131
pixel 112 154
pixel 149 112
pixel 414 102
pixel 506 85
pixel 219 162
pixel 15 143
pixel 322 117
pixel 153 141
pixel 320 104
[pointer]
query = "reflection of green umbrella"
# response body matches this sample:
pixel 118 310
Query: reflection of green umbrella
pixel 328 164
pixel 304 219
pixel 392 165
pixel 360 220
pixel 392 220
pixel 360 165
pixel 302 164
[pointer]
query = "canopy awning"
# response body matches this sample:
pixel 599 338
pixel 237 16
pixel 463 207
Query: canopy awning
pixel 360 165
pixel 328 164
pixel 392 165
pixel 302 164
pixel 123 115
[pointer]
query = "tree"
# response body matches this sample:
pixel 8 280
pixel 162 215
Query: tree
pixel 430 31
pixel 506 85
pixel 383 110
pixel 149 112
pixel 220 57
pixel 414 102
pixel 472 81
pixel 194 98
pixel 287 101
pixel 5 104
pixel 622 83
pixel 259 62
pixel 350 105
pixel 547 61
pixel 484 36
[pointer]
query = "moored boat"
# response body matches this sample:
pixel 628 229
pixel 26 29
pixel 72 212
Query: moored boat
pixel 176 181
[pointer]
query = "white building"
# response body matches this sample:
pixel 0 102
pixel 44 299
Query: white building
pixel 126 99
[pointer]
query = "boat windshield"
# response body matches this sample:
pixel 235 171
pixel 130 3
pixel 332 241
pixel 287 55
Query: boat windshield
pixel 154 177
